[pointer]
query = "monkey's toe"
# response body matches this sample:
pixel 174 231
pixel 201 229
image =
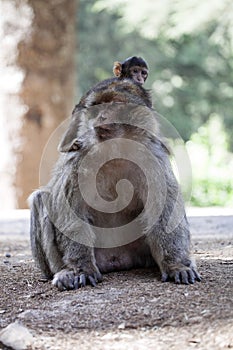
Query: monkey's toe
pixel 67 279
pixel 83 279
pixel 64 280
pixel 181 276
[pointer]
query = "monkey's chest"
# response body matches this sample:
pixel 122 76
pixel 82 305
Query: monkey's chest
pixel 120 194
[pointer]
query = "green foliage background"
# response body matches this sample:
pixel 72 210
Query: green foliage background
pixel 189 49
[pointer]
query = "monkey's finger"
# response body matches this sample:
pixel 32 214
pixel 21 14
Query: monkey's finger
pixel 177 277
pixel 164 277
pixel 70 282
pixel 184 277
pixel 98 277
pixel 197 276
pixel 76 282
pixel 191 276
pixel 82 280
pixel 92 281
pixel 60 286
pixel 67 281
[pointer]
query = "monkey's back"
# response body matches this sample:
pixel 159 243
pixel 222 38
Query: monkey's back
pixel 116 90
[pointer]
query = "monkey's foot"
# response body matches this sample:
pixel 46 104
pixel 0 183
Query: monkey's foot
pixel 68 279
pixel 181 274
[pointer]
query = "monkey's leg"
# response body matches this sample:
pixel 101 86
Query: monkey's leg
pixel 42 234
pixel 171 252
pixel 70 263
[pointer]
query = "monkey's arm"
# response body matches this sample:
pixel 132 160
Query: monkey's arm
pixel 57 234
pixel 171 251
pixel 169 239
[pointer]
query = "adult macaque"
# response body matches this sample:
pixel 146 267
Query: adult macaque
pixel 134 68
pixel 112 205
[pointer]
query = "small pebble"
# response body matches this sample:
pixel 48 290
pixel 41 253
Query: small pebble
pixel 43 279
pixel 121 326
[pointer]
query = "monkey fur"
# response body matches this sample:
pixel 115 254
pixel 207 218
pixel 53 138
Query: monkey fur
pixel 111 90
pixel 69 235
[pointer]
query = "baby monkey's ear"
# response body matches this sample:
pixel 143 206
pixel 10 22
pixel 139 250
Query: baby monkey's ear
pixel 117 69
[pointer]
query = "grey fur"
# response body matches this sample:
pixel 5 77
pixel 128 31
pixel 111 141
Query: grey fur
pixel 67 237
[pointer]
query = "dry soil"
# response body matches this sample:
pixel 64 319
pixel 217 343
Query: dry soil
pixel 129 309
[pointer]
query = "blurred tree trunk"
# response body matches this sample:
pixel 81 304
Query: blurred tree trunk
pixel 46 55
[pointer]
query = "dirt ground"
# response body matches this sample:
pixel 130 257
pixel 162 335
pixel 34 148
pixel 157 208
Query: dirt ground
pixel 129 309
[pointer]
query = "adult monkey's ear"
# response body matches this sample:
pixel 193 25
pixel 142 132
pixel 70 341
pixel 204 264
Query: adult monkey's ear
pixel 72 146
pixel 117 69
pixel 70 142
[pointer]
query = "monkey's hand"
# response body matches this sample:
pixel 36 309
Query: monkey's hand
pixel 181 274
pixel 67 279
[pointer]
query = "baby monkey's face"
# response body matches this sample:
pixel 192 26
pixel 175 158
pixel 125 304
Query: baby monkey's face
pixel 139 74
